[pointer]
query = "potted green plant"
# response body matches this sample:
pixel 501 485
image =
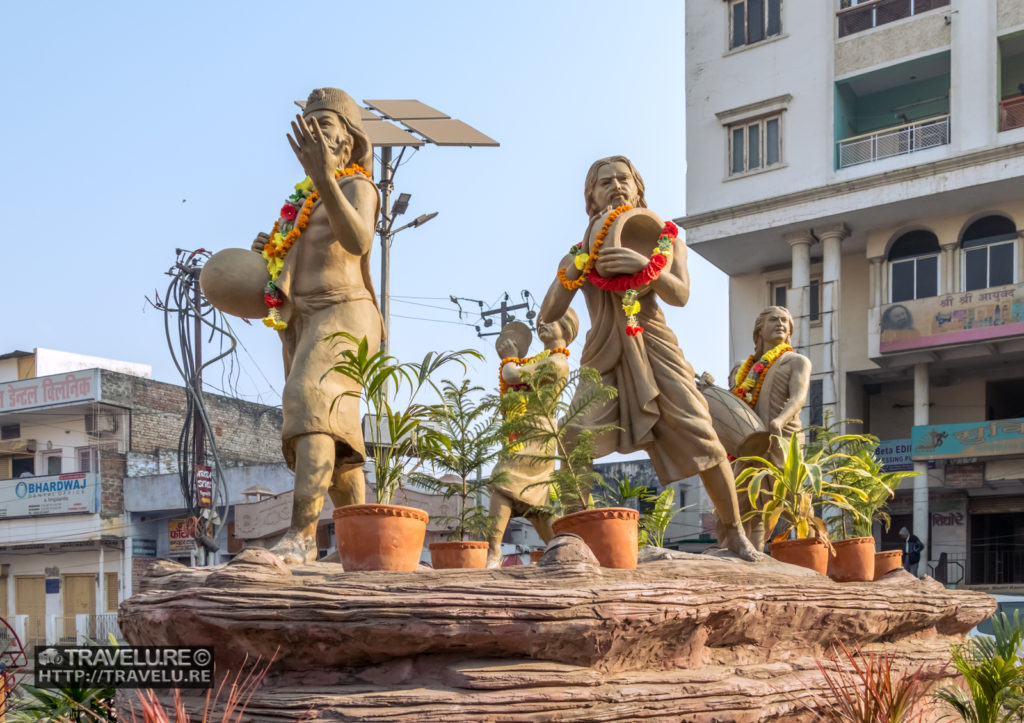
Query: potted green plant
pixel 858 468
pixel 456 469
pixel 796 488
pixel 384 536
pixel 549 416
pixel 656 511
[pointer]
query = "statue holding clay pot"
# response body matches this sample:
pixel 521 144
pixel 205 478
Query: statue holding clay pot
pixel 627 263
pixel 308 278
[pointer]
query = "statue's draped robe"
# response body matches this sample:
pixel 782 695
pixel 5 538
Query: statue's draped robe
pixel 310 389
pixel 658 407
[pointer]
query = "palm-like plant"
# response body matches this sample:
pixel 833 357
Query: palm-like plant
pixel 547 420
pixel 398 434
pixel 473 431
pixel 656 510
pixel 805 479
pixel 991 667
pixel 859 468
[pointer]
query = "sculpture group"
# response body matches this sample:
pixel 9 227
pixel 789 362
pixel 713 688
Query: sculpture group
pixel 317 283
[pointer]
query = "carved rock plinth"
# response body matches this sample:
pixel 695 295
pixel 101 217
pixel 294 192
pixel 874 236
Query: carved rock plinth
pixel 684 637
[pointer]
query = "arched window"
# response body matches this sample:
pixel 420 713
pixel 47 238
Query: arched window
pixel 989 253
pixel 914 266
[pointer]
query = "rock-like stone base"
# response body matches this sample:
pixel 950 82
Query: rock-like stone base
pixel 683 637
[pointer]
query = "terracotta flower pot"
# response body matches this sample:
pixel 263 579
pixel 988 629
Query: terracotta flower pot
pixel 887 561
pixel 808 552
pixel 535 556
pixel 380 537
pixel 452 555
pixel 610 533
pixel 854 560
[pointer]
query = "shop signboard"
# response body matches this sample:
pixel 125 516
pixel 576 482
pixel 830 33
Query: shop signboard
pixel 58 494
pixel 958 318
pixel 181 536
pixel 894 454
pixel 80 386
pixel 996 438
pixel 204 486
pixel 965 476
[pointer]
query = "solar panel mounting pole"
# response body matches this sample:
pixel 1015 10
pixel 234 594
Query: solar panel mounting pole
pixel 386 185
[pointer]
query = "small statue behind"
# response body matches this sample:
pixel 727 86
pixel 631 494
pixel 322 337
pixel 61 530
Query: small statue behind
pixel 522 485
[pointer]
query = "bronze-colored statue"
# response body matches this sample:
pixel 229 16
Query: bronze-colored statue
pixel 521 485
pixel 658 408
pixel 774 382
pixel 324 286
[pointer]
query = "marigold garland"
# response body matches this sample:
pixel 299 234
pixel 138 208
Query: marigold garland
pixel 504 386
pixel 591 258
pixel 630 285
pixel 750 377
pixel 292 221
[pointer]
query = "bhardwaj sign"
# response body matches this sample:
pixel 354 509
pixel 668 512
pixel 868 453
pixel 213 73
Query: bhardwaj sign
pixel 64 494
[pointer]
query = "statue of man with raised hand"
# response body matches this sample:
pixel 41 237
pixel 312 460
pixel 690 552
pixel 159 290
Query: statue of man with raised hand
pixel 318 257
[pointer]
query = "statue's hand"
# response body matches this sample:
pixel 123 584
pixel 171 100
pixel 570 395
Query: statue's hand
pixel 260 242
pixel 775 428
pixel 309 146
pixel 617 261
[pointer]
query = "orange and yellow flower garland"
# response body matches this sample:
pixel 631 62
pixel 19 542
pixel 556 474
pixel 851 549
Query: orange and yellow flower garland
pixel 585 262
pixel 503 386
pixel 289 226
pixel 631 284
pixel 750 377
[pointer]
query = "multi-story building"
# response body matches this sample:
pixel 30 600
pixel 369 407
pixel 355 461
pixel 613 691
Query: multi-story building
pixel 863 164
pixel 73 429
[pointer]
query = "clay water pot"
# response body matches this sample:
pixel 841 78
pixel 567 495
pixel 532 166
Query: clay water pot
pixel 459 554
pixel 535 556
pixel 854 560
pixel 610 533
pixel 809 552
pixel 887 561
pixel 380 537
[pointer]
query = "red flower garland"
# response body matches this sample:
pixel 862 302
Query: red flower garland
pixel 624 283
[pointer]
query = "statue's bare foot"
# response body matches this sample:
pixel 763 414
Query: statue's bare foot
pixel 295 549
pixel 737 543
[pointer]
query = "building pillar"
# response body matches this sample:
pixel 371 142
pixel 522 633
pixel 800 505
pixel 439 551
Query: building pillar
pixel 831 241
pixel 947 268
pixel 922 528
pixel 875 282
pixel 799 304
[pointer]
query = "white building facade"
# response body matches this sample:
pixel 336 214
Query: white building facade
pixel 862 163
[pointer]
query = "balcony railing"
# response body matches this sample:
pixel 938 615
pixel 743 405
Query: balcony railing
pixel 896 141
pixel 1011 113
pixel 867 15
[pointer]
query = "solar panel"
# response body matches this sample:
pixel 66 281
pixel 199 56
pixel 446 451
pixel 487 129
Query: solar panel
pixel 402 110
pixel 449 132
pixel 383 133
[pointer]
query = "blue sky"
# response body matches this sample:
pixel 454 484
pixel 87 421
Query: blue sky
pixel 132 129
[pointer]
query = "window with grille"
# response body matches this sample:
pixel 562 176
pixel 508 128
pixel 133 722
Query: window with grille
pixel 914 266
pixel 780 297
pixel 754 145
pixel 989 250
pixel 751 21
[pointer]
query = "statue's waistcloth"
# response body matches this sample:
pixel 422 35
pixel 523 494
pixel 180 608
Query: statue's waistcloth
pixel 658 408
pixel 308 394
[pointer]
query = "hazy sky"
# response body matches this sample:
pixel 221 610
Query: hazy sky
pixel 133 129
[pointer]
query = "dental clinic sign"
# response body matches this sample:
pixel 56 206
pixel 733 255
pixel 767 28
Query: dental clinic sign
pixel 65 494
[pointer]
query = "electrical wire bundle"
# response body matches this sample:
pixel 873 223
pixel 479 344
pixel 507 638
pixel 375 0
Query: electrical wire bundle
pixel 184 306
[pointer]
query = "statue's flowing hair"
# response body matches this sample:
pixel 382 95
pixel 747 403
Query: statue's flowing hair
pixel 591 182
pixel 768 311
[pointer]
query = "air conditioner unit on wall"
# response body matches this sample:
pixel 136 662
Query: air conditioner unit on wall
pixel 101 424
